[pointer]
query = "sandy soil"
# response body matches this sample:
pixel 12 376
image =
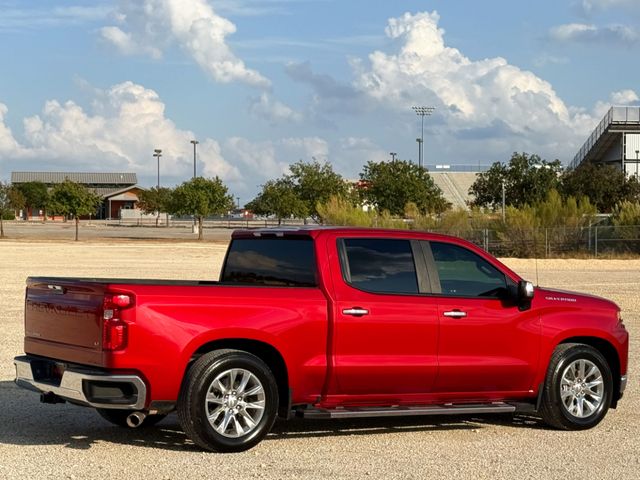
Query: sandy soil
pixel 62 441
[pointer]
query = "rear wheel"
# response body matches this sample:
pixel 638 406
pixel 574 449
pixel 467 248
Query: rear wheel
pixel 228 401
pixel 578 388
pixel 119 417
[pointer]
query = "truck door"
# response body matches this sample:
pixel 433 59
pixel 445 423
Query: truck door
pixel 487 344
pixel 385 326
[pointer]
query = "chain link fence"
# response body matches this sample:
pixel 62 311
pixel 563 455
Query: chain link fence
pixel 591 241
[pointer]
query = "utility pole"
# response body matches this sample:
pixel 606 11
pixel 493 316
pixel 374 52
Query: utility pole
pixel 195 142
pixel 158 153
pixel 393 156
pixel 422 112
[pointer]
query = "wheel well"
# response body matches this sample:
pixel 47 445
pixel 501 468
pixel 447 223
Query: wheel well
pixel 265 352
pixel 610 354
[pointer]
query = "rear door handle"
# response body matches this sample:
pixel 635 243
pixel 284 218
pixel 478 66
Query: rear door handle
pixel 455 314
pixel 355 311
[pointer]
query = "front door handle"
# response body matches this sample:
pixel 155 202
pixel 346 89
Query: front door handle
pixel 455 314
pixel 355 311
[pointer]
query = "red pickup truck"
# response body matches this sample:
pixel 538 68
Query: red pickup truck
pixel 324 323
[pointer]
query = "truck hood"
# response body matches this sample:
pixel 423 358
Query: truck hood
pixel 582 300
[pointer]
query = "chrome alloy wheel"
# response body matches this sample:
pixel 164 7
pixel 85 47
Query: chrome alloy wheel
pixel 235 403
pixel 581 388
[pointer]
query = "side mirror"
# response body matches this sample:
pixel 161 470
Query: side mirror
pixel 525 291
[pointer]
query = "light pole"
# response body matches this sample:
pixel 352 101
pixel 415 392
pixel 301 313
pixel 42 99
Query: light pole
pixel 637 159
pixel 238 199
pixel 393 156
pixel 421 112
pixel 158 153
pixel 195 142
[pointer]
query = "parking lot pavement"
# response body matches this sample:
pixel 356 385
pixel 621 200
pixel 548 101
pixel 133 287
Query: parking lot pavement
pixel 62 441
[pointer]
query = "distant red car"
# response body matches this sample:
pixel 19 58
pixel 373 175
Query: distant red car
pixel 324 322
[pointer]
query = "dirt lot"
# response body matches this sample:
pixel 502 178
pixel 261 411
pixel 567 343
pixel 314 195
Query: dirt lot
pixel 61 441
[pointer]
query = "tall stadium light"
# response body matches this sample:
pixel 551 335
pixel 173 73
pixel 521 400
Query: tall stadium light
pixel 393 156
pixel 419 141
pixel 158 153
pixel 195 142
pixel 422 112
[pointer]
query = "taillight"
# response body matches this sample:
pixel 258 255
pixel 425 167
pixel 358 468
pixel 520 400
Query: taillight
pixel 114 334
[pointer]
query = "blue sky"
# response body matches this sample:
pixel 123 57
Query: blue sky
pixel 97 85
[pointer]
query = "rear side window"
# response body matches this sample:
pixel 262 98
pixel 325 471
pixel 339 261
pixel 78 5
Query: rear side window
pixel 380 265
pixel 271 261
pixel 464 274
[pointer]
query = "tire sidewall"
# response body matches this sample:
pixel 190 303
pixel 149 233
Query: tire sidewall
pixel 582 353
pixel 198 408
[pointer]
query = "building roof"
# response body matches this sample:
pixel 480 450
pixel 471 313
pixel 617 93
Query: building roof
pixel 123 179
pixel 615 122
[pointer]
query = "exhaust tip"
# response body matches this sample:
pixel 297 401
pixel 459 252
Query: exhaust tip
pixel 135 419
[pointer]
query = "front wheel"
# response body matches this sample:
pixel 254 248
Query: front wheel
pixel 578 388
pixel 228 401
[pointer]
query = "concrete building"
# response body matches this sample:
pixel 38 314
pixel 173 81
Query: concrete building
pixel 615 141
pixel 117 190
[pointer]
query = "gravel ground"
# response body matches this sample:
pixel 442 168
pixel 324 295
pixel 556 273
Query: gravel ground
pixel 62 441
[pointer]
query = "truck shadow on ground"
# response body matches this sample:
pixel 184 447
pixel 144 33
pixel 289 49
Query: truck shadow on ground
pixel 25 421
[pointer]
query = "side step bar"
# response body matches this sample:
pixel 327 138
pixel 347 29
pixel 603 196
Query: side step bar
pixel 400 411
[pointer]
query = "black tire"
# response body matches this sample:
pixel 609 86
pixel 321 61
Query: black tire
pixel 119 417
pixel 553 410
pixel 192 405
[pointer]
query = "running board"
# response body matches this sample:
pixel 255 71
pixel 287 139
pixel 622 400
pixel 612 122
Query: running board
pixel 447 409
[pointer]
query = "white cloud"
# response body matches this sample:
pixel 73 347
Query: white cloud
pixel 589 6
pixel 125 43
pixel 588 33
pixel 624 97
pixel 125 124
pixel 149 26
pixel 272 110
pixel 488 103
pixel 271 158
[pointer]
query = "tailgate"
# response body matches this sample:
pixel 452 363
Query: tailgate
pixel 63 319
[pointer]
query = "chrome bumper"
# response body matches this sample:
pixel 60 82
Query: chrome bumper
pixel 75 384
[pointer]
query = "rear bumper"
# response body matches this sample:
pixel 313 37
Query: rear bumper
pixel 77 384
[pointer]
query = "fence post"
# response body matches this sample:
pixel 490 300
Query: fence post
pixel 596 241
pixel 486 239
pixel 546 243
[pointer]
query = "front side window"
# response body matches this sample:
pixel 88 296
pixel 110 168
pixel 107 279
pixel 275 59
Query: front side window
pixel 271 262
pixel 464 274
pixel 380 265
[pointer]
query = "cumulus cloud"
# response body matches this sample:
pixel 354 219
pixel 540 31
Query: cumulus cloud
pixel 272 110
pixel 588 33
pixel 490 103
pixel 149 26
pixel 125 124
pixel 624 97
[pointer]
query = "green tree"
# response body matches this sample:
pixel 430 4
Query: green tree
pixel 605 185
pixel 11 199
pixel 36 196
pixel 154 201
pixel 73 199
pixel 279 198
pixel 391 185
pixel 527 180
pixel 315 183
pixel 201 197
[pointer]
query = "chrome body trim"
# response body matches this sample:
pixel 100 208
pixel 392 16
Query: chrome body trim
pixel 355 311
pixel 71 384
